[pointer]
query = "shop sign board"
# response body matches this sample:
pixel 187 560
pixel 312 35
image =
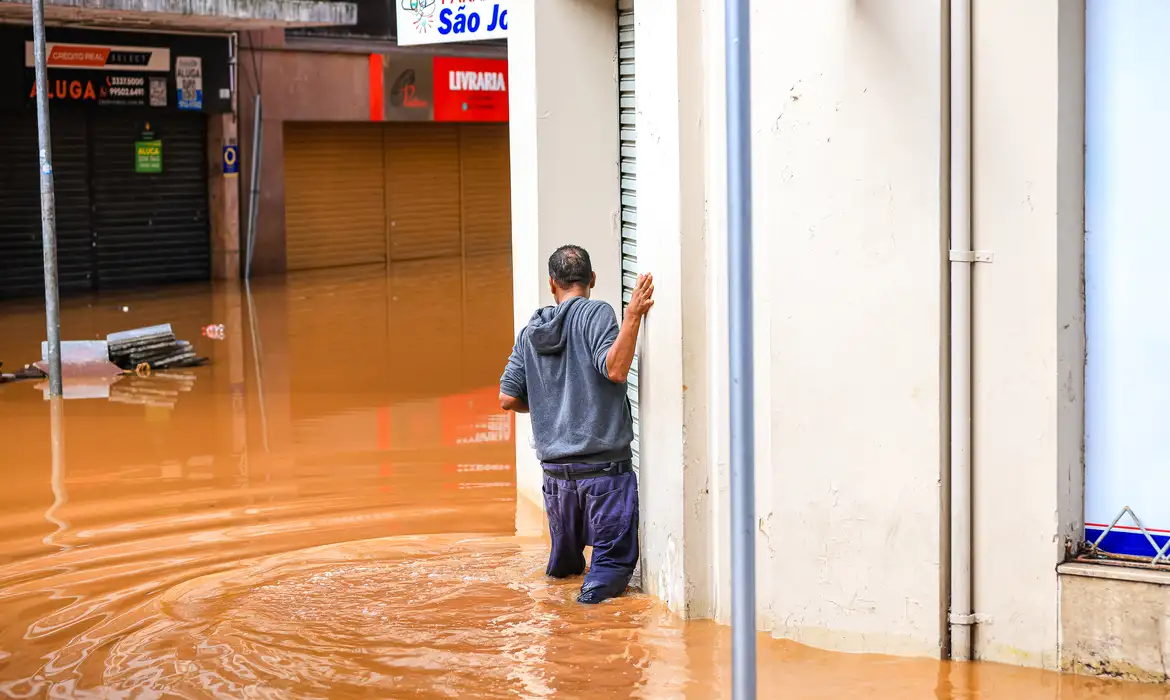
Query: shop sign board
pixel 148 157
pixel 148 150
pixel 445 21
pixel 409 94
pixel 189 80
pixel 124 89
pixel 103 74
pixel 470 89
pixel 231 160
pixel 158 92
pixel 135 59
pixel 93 69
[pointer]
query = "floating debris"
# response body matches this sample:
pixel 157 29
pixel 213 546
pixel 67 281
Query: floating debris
pixel 26 372
pixel 141 351
pixel 81 358
pixel 155 346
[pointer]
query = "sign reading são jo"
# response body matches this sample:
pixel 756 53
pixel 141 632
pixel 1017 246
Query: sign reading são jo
pixel 444 21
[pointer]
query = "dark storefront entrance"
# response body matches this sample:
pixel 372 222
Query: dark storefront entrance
pixel 130 167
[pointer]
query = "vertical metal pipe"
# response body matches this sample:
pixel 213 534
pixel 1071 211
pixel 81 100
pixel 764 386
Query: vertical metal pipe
pixel 962 604
pixel 48 202
pixel 742 395
pixel 254 193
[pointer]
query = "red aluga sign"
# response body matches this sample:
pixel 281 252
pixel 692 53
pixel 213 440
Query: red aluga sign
pixel 470 89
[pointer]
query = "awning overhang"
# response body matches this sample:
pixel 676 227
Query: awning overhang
pixel 191 15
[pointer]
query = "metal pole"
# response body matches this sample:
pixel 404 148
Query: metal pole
pixel 254 195
pixel 48 202
pixel 742 395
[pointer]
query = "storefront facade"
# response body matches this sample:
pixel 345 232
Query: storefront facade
pixel 130 123
pixel 376 158
pixel 855 122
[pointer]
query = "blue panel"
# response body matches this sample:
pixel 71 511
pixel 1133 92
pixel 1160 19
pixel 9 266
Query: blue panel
pixel 1126 541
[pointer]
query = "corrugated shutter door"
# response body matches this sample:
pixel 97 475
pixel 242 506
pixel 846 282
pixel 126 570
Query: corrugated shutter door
pixel 21 265
pixel 150 228
pixel 423 190
pixel 486 190
pixel 334 194
pixel 487 245
pixel 629 184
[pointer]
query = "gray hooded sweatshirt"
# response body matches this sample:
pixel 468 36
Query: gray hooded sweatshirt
pixel 558 368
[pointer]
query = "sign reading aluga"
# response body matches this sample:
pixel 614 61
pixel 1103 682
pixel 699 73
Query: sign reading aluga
pixel 446 21
pixel 189 79
pixel 148 157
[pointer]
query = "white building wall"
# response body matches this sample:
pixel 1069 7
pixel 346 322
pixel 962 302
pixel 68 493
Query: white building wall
pixel 848 141
pixel 675 553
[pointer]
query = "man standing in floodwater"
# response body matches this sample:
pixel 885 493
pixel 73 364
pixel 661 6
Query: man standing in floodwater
pixel 568 369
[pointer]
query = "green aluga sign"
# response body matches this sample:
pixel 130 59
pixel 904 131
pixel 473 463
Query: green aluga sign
pixel 148 157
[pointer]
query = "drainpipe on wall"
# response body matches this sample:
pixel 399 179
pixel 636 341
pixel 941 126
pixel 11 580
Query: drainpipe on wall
pixel 962 259
pixel 233 68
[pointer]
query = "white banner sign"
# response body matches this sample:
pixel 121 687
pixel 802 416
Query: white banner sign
pixel 446 21
pixel 189 81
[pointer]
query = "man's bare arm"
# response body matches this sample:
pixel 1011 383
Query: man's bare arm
pixel 621 354
pixel 511 403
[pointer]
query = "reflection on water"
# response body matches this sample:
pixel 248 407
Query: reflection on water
pixel 328 510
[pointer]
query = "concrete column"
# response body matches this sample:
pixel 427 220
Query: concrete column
pixel 676 547
pixel 224 193
pixel 564 151
pixel 263 60
pixel 718 599
pixel 1029 319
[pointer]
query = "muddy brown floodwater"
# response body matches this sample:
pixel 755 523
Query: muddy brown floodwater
pixel 328 511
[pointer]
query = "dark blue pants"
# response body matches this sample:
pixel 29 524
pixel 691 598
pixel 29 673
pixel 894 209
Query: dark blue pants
pixel 600 511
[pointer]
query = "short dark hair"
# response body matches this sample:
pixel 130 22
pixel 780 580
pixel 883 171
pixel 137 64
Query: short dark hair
pixel 569 267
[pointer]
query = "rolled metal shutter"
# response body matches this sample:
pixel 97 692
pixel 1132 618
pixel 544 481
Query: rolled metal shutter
pixel 423 191
pixel 486 188
pixel 335 201
pixel 150 228
pixel 629 184
pixel 21 262
pixel 487 247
